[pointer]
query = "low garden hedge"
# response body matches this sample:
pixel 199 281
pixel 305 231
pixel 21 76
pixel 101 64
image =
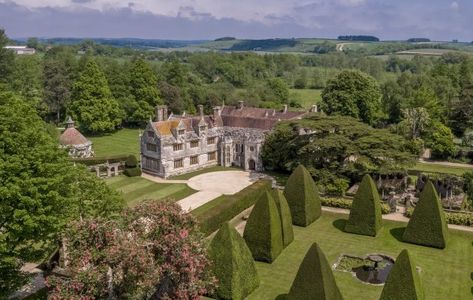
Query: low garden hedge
pixel 263 230
pixel 365 213
pixel 132 172
pixel 427 226
pixel 464 219
pixel 314 279
pixel 90 161
pixel 212 214
pixel 346 204
pixel 233 264
pixel 403 281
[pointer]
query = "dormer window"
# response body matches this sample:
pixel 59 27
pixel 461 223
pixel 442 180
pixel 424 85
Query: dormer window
pixel 181 131
pixel 202 128
pixel 150 134
pixel 211 141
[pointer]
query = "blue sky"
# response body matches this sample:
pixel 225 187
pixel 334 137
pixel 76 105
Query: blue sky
pixel 208 19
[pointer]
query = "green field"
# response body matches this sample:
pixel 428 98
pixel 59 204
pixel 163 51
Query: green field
pixel 306 97
pixel 124 141
pixel 445 274
pixel 434 168
pixel 136 189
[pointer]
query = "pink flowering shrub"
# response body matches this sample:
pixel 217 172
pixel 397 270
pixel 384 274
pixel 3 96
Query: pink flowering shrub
pixel 153 252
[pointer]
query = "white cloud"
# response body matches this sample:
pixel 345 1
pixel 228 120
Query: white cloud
pixel 454 5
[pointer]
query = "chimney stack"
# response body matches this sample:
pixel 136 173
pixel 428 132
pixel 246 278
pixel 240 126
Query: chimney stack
pixel 314 108
pixel 201 111
pixel 284 109
pixel 161 113
pixel 241 104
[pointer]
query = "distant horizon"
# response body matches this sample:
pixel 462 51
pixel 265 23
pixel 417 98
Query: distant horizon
pixel 441 20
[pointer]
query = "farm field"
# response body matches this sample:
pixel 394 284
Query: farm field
pixel 306 97
pixel 136 189
pixel 445 274
pixel 124 141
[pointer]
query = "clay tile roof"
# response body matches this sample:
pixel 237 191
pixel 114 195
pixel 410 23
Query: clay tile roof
pixel 260 113
pixel 165 127
pixel 72 136
pixel 242 122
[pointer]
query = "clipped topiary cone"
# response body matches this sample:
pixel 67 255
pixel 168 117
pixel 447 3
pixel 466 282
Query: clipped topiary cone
pixel 302 197
pixel 403 281
pixel 263 233
pixel 314 279
pixel 285 214
pixel 365 213
pixel 233 264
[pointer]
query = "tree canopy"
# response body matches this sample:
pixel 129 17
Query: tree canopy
pixel 353 94
pixel 40 190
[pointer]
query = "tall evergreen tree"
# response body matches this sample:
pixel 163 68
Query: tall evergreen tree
pixel 365 212
pixel 93 105
pixel 314 279
pixel 233 264
pixel 263 233
pixel 7 59
pixel 403 281
pixel 41 190
pixel 427 225
pixel 144 89
pixel 302 197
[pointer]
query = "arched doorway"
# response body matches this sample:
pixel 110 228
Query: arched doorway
pixel 251 165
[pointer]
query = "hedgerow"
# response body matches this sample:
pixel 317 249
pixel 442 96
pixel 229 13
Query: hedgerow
pixel 346 204
pixel 427 225
pixel 212 214
pixel 233 264
pixel 464 219
pixel 365 213
pixel 263 231
pixel 285 214
pixel 314 279
pixel 403 281
pixel 302 197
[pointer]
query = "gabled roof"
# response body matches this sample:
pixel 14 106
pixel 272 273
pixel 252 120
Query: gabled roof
pixel 260 113
pixel 71 137
pixel 188 123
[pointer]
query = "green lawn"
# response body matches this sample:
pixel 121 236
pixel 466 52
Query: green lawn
pixel 203 171
pixel 136 189
pixel 306 97
pixel 433 168
pixel 124 141
pixel 445 273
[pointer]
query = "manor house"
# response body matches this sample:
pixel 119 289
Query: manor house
pixel 231 136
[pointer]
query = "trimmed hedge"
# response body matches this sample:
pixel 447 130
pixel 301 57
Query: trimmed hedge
pixel 233 264
pixel 403 281
pixel 131 161
pixel 302 197
pixel 463 219
pixel 365 213
pixel 346 203
pixel 285 214
pixel 90 161
pixel 132 172
pixel 263 231
pixel 212 214
pixel 314 279
pixel 427 225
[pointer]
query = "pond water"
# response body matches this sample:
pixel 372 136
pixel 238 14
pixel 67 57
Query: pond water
pixel 375 273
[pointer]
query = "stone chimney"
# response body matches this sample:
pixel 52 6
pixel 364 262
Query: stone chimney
pixel 217 112
pixel 241 104
pixel 284 110
pixel 201 111
pixel 161 113
pixel 314 108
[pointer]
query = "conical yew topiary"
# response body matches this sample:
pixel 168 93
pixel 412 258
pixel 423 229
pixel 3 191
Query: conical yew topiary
pixel 285 215
pixel 233 264
pixel 302 197
pixel 314 280
pixel 365 213
pixel 403 281
pixel 263 233
pixel 427 225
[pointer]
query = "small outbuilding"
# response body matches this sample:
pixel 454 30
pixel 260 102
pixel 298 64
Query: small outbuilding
pixel 77 144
